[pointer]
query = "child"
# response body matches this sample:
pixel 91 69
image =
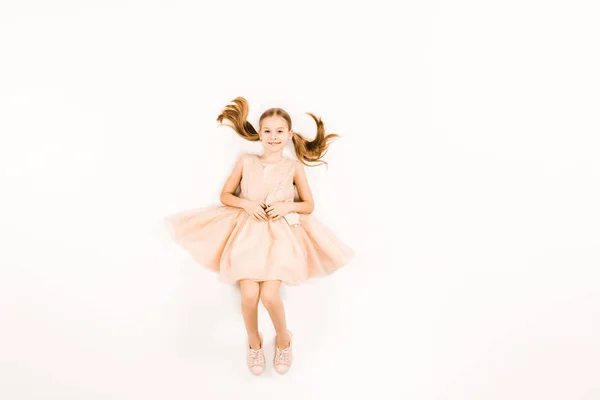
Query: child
pixel 263 237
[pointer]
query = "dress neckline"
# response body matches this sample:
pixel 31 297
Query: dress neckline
pixel 266 163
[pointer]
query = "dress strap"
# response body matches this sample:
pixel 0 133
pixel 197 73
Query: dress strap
pixel 292 169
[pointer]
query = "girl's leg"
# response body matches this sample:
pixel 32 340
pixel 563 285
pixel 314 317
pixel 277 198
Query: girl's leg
pixel 250 296
pixel 269 294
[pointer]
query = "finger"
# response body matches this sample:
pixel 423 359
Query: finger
pixel 263 216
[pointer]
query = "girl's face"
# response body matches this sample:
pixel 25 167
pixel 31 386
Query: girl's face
pixel 274 133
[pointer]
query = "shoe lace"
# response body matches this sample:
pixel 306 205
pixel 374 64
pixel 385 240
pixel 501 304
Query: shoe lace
pixel 255 358
pixel 282 356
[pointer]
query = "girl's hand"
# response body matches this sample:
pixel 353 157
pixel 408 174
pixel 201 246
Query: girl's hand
pixel 278 209
pixel 256 209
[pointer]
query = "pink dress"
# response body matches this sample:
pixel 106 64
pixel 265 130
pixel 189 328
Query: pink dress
pixel 230 242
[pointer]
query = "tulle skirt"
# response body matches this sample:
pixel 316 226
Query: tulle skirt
pixel 228 241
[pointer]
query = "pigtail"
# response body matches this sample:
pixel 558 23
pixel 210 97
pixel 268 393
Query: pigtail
pixel 312 151
pixel 237 114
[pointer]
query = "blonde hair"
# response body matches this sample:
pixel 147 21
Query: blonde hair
pixel 308 151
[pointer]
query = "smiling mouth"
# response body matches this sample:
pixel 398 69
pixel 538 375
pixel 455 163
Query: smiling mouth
pixel 273 143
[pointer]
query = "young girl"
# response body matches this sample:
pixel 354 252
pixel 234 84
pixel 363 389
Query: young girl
pixel 263 237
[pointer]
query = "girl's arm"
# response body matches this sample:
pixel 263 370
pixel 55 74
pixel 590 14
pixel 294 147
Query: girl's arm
pixel 306 205
pixel 227 197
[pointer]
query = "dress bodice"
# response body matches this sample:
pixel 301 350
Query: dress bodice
pixel 269 182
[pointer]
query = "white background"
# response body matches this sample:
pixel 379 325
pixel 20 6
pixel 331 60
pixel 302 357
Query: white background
pixel 466 180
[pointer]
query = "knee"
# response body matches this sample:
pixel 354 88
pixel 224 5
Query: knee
pixel 269 298
pixel 250 296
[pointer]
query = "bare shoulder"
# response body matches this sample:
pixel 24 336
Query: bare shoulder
pixel 245 157
pixel 297 165
pixel 241 163
pixel 299 170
